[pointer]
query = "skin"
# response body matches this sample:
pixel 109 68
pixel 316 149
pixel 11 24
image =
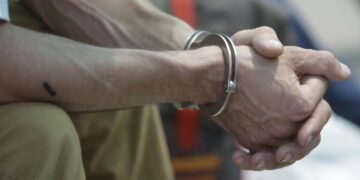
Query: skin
pixel 113 23
pixel 277 123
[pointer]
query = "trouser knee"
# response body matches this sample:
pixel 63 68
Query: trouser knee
pixel 39 140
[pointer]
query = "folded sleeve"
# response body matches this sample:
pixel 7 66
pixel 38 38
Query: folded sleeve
pixel 4 10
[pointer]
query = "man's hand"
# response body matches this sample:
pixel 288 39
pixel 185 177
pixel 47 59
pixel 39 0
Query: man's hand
pixel 272 101
pixel 263 39
pixel 287 154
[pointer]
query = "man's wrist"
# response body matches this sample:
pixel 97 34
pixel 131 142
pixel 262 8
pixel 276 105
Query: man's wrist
pixel 206 74
pixel 181 32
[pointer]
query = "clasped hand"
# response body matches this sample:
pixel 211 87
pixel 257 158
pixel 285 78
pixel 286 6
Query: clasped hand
pixel 278 110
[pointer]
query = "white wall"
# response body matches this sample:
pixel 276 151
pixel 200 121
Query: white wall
pixel 335 24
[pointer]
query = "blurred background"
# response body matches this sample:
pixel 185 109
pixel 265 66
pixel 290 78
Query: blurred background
pixel 200 150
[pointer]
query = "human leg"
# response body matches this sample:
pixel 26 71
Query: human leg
pixel 38 141
pixel 127 144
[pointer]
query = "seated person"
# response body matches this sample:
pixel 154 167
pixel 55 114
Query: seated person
pixel 44 77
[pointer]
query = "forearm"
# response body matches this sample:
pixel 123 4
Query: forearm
pixel 114 23
pixel 87 78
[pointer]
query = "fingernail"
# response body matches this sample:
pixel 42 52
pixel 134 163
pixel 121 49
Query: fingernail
pixel 287 158
pixel 308 140
pixel 346 69
pixel 260 164
pixel 275 44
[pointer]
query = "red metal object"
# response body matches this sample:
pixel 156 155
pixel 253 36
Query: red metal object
pixel 187 129
pixel 185 10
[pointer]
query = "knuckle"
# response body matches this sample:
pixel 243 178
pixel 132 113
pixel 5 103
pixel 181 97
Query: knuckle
pixel 237 35
pixel 242 37
pixel 305 151
pixel 265 29
pixel 329 60
pixel 316 130
pixel 328 55
pixel 269 140
pixel 282 129
pixel 300 109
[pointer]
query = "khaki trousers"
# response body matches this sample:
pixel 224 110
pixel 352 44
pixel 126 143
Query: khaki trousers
pixel 43 142
pixel 38 141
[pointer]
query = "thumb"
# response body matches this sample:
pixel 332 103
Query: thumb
pixel 264 40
